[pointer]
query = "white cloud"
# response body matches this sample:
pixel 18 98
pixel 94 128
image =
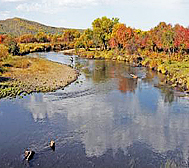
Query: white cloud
pixel 37 7
pixel 4 14
pixel 28 7
pixel 53 6
pixel 77 3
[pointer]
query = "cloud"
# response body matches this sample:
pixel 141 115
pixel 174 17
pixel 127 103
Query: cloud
pixel 38 7
pixel 54 6
pixel 28 7
pixel 4 14
pixel 76 3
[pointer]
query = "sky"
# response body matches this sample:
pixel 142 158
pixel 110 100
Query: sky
pixel 140 14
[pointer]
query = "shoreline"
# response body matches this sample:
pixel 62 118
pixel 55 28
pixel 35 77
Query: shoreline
pixel 176 73
pixel 15 85
pixel 39 75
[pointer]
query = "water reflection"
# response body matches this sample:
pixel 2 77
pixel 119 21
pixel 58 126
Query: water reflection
pixel 109 120
pixel 102 71
pixel 127 85
pixel 113 121
pixel 161 129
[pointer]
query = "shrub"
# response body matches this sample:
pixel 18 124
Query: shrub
pixel 161 68
pixel 11 43
pixel 3 52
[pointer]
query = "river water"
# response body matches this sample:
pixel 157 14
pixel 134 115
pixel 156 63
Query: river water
pixel 104 119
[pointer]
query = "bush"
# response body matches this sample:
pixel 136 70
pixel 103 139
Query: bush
pixel 3 52
pixel 11 44
pixel 109 55
pixel 161 68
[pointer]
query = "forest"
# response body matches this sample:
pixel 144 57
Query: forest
pixel 109 34
pixel 164 48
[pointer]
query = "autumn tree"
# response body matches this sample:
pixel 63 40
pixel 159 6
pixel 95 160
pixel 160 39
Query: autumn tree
pixel 41 37
pixel 168 40
pixel 69 37
pixel 11 43
pixel 102 29
pixel 181 41
pixel 85 40
pixel 121 36
pixel 2 37
pixel 162 37
pixel 27 38
pixel 142 39
pixel 156 35
pixel 54 38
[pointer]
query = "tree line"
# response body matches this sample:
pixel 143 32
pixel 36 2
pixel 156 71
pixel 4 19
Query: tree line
pixel 110 34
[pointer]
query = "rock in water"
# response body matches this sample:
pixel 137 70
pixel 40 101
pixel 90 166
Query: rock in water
pixel 71 59
pixel 133 76
pixel 29 154
pixel 52 145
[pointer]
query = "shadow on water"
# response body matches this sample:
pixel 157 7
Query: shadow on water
pixel 104 119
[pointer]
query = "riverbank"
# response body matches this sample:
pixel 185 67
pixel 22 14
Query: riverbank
pixel 176 67
pixel 176 71
pixel 25 75
pixel 26 48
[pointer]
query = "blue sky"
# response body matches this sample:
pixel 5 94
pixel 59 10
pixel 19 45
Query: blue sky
pixel 143 14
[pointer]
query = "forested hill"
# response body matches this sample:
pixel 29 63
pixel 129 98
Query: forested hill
pixel 18 26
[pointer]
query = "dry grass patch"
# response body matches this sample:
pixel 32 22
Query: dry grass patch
pixel 38 75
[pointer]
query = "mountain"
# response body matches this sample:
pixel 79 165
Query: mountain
pixel 17 26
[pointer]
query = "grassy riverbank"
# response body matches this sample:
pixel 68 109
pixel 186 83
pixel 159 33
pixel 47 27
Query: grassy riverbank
pixel 176 71
pixel 26 48
pixel 24 75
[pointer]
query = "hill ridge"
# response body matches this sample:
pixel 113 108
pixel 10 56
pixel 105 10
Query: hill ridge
pixel 19 26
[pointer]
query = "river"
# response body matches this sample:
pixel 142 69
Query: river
pixel 105 119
